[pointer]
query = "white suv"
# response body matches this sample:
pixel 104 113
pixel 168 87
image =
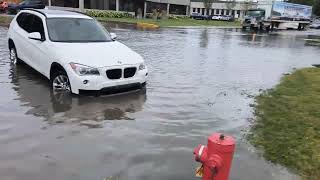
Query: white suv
pixel 73 51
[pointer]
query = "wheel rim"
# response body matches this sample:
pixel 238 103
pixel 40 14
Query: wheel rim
pixel 13 56
pixel 61 83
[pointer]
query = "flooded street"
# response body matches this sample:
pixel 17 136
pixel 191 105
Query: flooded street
pixel 200 81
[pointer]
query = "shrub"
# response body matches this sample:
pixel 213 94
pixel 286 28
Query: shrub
pixel 108 14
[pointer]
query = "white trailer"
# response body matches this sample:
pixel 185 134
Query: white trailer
pixel 278 15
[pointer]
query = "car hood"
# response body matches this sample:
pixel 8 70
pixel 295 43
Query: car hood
pixel 100 54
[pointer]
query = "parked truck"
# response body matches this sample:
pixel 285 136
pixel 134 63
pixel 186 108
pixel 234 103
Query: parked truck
pixel 278 15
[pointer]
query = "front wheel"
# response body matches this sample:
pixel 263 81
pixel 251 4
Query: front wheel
pixel 60 82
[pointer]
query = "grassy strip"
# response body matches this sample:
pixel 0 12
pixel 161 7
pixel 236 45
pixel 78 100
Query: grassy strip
pixel 172 22
pixel 287 126
pixel 5 20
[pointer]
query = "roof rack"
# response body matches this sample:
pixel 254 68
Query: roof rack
pixel 36 10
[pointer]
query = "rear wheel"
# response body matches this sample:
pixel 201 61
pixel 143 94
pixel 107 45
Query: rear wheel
pixel 268 28
pixel 60 82
pixel 13 55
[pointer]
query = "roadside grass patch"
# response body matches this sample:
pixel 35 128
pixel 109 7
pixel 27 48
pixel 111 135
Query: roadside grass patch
pixel 124 18
pixel 173 22
pixel 5 20
pixel 287 125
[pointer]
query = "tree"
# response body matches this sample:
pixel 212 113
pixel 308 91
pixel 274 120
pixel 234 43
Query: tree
pixel 208 5
pixel 230 4
pixel 305 2
pixel 314 3
pixel 246 5
pixel 316 7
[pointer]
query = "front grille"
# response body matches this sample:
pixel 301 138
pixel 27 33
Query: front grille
pixel 114 73
pixel 129 72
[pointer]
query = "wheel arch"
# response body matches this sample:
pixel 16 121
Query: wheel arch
pixel 11 43
pixel 54 68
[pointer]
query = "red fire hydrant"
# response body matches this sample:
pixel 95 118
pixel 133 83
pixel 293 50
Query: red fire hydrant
pixel 216 158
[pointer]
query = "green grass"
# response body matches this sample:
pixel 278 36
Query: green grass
pixel 172 22
pixel 5 20
pixel 287 127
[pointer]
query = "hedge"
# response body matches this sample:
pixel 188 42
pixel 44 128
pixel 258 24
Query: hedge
pixel 108 14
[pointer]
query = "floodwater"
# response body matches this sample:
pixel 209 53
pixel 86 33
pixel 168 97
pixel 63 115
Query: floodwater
pixel 201 81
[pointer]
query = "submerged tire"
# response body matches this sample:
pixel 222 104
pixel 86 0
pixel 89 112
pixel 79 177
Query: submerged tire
pixel 60 82
pixel 13 55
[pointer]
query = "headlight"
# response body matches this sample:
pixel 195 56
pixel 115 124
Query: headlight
pixel 142 66
pixel 83 70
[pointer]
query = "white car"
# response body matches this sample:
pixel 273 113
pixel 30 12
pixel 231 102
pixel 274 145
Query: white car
pixel 315 24
pixel 216 17
pixel 73 51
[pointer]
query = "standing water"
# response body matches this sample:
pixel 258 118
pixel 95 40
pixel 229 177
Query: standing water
pixel 201 81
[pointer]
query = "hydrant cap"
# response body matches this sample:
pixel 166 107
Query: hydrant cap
pixel 226 142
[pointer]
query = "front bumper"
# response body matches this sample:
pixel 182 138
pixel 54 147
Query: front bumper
pixel 113 89
pixel 102 82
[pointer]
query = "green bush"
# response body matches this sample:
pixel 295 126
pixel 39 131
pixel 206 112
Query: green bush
pixel 108 14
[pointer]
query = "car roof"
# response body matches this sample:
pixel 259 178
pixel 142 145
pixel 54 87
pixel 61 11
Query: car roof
pixel 50 13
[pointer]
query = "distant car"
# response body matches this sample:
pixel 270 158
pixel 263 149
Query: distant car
pixel 227 18
pixel 34 4
pixel 198 16
pixel 3 6
pixel 215 17
pixel 222 17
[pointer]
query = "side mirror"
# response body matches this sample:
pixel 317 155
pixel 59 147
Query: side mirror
pixel 35 36
pixel 113 36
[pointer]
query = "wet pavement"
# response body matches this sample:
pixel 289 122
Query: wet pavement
pixel 201 81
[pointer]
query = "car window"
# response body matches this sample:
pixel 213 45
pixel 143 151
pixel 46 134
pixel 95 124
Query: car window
pixel 20 19
pixel 24 20
pixel 31 23
pixel 76 30
pixel 37 26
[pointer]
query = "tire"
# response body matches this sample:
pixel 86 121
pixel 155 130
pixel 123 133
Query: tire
pixel 13 56
pixel 268 28
pixel 60 82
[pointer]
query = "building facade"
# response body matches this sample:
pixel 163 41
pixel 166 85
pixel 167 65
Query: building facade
pixel 236 9
pixel 178 7
pixel 174 7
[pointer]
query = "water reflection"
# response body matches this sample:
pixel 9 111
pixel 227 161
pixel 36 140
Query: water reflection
pixel 204 38
pixel 118 25
pixel 34 91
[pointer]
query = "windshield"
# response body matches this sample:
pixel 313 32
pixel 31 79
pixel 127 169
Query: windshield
pixel 255 13
pixel 76 30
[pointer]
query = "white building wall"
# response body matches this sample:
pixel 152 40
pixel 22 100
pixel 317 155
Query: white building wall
pixel 220 5
pixel 178 2
pixel 267 6
pixel 239 6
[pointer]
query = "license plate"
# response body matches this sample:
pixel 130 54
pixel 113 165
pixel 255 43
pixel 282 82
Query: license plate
pixel 199 171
